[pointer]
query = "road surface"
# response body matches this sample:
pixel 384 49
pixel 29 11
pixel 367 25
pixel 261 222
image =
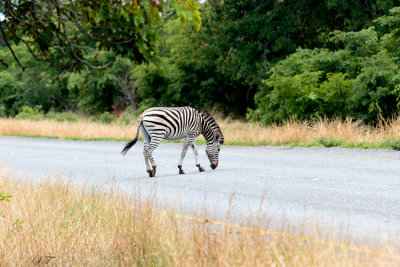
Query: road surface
pixel 352 192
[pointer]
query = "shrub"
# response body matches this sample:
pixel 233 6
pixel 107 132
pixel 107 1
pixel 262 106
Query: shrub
pixel 105 117
pixel 330 142
pixel 129 116
pixel 394 144
pixel 3 113
pixel 302 96
pixel 62 116
pixel 30 113
pixel 358 77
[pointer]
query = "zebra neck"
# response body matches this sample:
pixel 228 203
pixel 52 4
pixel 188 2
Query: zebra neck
pixel 207 133
pixel 210 121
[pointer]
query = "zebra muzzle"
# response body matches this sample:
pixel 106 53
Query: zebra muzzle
pixel 213 166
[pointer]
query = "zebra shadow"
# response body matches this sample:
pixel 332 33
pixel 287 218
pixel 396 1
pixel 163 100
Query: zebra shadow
pixel 187 173
pixel 190 173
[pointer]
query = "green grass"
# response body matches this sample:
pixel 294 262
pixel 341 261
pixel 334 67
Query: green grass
pixel 393 144
pixel 330 142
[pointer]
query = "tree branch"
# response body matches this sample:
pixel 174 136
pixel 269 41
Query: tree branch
pixel 79 58
pixel 84 47
pixel 2 62
pixel 9 47
pixel 8 4
pixel 26 43
pixel 72 20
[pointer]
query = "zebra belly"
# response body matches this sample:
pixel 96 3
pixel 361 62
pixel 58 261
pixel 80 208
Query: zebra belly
pixel 163 132
pixel 172 136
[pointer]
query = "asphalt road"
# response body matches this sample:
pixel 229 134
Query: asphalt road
pixel 352 192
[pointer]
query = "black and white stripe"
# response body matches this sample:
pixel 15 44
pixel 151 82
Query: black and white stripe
pixel 174 123
pixel 214 126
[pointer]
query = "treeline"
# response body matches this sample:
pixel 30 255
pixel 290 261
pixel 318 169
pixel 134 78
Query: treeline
pixel 267 60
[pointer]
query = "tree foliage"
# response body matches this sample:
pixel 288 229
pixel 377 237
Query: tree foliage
pixel 61 32
pixel 225 62
pixel 270 59
pixel 358 77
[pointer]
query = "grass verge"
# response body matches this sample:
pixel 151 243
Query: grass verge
pixel 88 227
pixel 328 133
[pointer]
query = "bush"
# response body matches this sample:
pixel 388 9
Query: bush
pixel 358 79
pixel 302 96
pixel 62 116
pixel 394 144
pixel 30 113
pixel 330 142
pixel 105 117
pixel 3 113
pixel 128 117
pixel 10 93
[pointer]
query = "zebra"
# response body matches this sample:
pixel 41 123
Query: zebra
pixel 174 123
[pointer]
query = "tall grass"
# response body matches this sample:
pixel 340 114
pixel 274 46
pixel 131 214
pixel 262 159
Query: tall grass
pixel 322 132
pixel 313 131
pixel 88 227
pixel 83 128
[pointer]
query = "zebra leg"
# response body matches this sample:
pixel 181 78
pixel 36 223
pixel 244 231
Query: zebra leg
pixel 196 156
pixel 146 148
pixel 146 160
pixel 152 172
pixel 155 141
pixel 189 140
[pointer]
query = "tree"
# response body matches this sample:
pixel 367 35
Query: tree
pixel 61 32
pixel 358 77
pixel 40 85
pixel 250 37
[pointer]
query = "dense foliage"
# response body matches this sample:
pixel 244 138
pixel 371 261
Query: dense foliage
pixel 269 59
pixel 225 62
pixel 358 77
pixel 62 32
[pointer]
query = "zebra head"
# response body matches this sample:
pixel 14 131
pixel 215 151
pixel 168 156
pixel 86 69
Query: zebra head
pixel 212 151
pixel 214 137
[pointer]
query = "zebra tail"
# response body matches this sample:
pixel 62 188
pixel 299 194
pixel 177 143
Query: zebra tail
pixel 131 143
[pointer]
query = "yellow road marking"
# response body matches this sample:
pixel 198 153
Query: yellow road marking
pixel 265 232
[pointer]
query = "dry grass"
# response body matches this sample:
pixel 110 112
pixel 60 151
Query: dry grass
pixel 81 227
pixel 343 133
pixel 310 131
pixel 81 129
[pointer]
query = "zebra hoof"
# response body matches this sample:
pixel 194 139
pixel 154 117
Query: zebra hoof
pixel 200 168
pixel 152 173
pixel 180 170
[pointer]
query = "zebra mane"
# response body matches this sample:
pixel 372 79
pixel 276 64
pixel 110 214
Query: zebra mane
pixel 213 124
